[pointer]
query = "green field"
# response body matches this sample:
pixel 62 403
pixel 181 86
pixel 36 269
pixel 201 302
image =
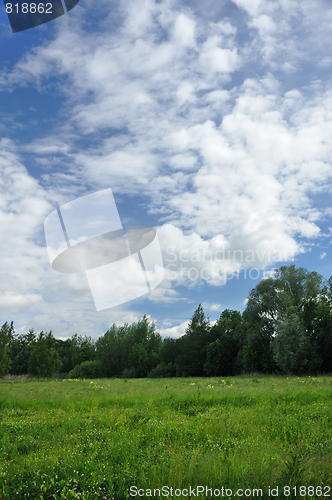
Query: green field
pixel 95 439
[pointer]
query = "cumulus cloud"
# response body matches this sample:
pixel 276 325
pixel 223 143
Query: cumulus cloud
pixel 16 302
pixel 30 291
pixel 211 306
pixel 175 331
pixel 195 117
pixel 23 203
pixel 285 33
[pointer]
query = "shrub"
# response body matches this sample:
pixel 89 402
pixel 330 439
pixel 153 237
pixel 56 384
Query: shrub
pixel 87 369
pixel 162 370
pixel 129 373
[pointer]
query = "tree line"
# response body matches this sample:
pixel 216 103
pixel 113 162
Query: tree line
pixel 286 327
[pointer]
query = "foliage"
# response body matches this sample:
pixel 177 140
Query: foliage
pixel 281 323
pixel 21 348
pixel 292 344
pixel 6 337
pixel 192 346
pixel 298 284
pixel 222 357
pixel 87 369
pixel 44 360
pixel 130 349
pixel 260 319
pixel 285 327
pixel 74 351
pixel 163 370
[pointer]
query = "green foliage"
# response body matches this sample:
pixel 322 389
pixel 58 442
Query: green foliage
pixel 163 370
pixel 169 350
pixel 322 330
pixel 132 349
pixel 44 360
pixel 128 373
pixel 87 369
pixel 20 352
pixel 74 351
pixel 284 323
pixel 298 284
pixel 285 327
pixel 193 344
pixel 138 360
pixel 292 344
pixel 111 350
pixel 6 337
pixel 260 319
pixel 223 355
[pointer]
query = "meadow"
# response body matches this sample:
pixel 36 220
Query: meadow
pixel 95 439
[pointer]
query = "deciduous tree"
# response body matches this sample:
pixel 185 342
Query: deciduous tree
pixel 6 337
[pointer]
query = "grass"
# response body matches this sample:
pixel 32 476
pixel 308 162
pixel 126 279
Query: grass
pixel 91 439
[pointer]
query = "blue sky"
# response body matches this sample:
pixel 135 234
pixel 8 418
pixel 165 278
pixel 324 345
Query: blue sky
pixel 210 122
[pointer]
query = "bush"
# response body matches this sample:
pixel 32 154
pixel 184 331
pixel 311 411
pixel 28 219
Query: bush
pixel 87 369
pixel 129 373
pixel 162 370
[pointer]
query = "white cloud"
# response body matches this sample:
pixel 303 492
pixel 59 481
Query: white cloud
pixel 23 204
pixel 214 58
pixel 255 160
pixel 151 109
pixel 184 31
pixel 264 24
pixel 251 6
pixel 15 302
pixel 287 33
pixel 174 332
pixel 191 259
pixel 30 291
pixel 326 62
pixel 211 307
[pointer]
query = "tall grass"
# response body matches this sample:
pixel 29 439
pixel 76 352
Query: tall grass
pixel 92 439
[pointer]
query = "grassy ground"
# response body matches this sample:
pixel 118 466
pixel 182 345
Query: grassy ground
pixel 95 439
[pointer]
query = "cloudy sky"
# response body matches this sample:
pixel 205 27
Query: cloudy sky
pixel 210 121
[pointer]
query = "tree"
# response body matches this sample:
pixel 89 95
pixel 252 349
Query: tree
pixel 222 357
pixel 6 337
pixel 295 344
pixel 260 319
pixel 317 315
pixel 300 285
pixel 20 352
pixel 111 350
pixel 323 334
pixel 272 307
pixel 193 345
pixel 169 350
pixel 68 353
pixel 133 349
pixel 139 361
pixel 44 360
pixel 144 346
pixel 292 349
